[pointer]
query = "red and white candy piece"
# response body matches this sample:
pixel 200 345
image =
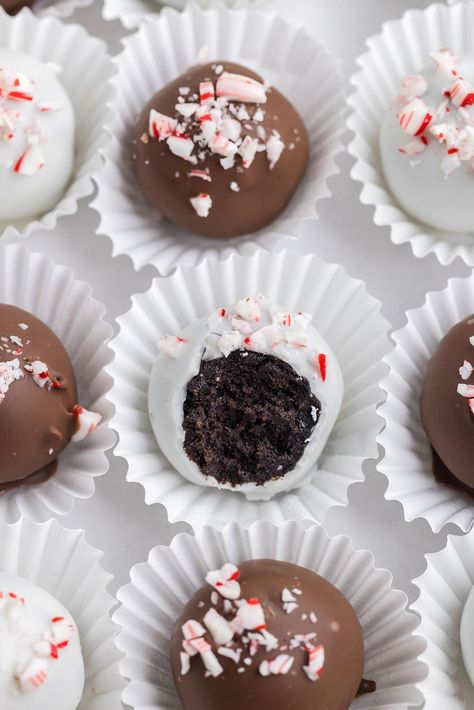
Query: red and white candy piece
pixel 39 372
pixel 445 61
pixel 218 627
pixel 280 665
pixel 315 662
pixel 180 146
pixel 224 581
pixel 275 148
pixel 466 390
pixel 415 118
pixel 87 422
pixel 236 87
pixel 206 92
pixel 208 657
pixel 471 405
pixel 466 370
pixel 192 629
pixel 202 204
pixel 248 151
pixel 222 146
pixel 201 174
pixel 413 87
pixel 248 309
pixel 10 371
pixel 34 675
pixel 160 125
pixel 30 162
pixel 172 345
pixel 250 614
pixel 415 147
pixel 461 93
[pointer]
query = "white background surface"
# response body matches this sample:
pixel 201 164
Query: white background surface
pixel 117 520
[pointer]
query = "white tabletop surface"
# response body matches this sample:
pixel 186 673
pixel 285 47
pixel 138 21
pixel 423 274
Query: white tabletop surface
pixel 116 519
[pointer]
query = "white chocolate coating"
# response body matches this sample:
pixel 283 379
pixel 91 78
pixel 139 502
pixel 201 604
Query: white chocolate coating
pixel 26 632
pixel 46 122
pixel 467 636
pixel 177 364
pixel 417 181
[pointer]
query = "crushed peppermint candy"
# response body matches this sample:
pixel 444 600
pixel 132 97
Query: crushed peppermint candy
pixel 220 118
pixel 240 632
pixel 450 123
pixel 36 651
pixel 464 389
pixel 10 372
pixel 16 92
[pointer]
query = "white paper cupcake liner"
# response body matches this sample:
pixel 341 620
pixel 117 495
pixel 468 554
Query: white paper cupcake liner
pixel 60 8
pixel 403 48
pixel 62 563
pixel 162 49
pixel 132 12
pixel 160 588
pixel 86 73
pixel 407 463
pixel 347 317
pixel 33 282
pixel 444 590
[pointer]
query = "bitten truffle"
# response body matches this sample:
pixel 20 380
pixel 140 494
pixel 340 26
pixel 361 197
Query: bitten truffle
pixel 427 144
pixel 246 398
pixel 218 152
pixel 39 414
pixel 267 634
pixel 447 406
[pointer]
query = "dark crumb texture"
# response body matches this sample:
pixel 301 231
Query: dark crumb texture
pixel 247 418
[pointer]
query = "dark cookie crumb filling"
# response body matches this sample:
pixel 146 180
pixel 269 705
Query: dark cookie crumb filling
pixel 247 418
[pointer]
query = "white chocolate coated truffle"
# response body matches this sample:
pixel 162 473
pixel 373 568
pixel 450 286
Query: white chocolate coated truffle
pixel 41 665
pixel 434 186
pixel 467 636
pixel 290 337
pixel 37 130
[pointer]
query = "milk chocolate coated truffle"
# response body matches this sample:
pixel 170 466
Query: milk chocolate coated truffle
pixel 271 634
pixel 38 400
pixel 219 153
pixel 14 6
pixel 447 405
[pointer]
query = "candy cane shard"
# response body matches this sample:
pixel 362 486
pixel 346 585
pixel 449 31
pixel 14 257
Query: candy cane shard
pixel 316 660
pixel 202 204
pixel 461 93
pixel 30 162
pixel 225 582
pixel 236 87
pixel 172 345
pixel 180 146
pixel 87 422
pixel 415 147
pixel 415 117
pixel 160 125
pixel 413 87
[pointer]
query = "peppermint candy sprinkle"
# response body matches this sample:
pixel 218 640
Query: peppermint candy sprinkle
pixel 87 422
pixel 10 372
pixel 464 389
pixel 240 632
pixel 219 120
pixel 38 650
pixel 17 92
pixel 451 123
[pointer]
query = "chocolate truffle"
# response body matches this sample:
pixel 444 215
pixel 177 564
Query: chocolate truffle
pixel 245 399
pixel 427 144
pixel 14 6
pixel 218 152
pixel 447 405
pixel 270 634
pixel 37 133
pixel 41 661
pixel 39 414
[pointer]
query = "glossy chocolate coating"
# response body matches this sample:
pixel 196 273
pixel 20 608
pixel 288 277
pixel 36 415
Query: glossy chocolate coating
pixel 14 6
pixel 337 628
pixel 263 194
pixel 34 420
pixel 446 416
